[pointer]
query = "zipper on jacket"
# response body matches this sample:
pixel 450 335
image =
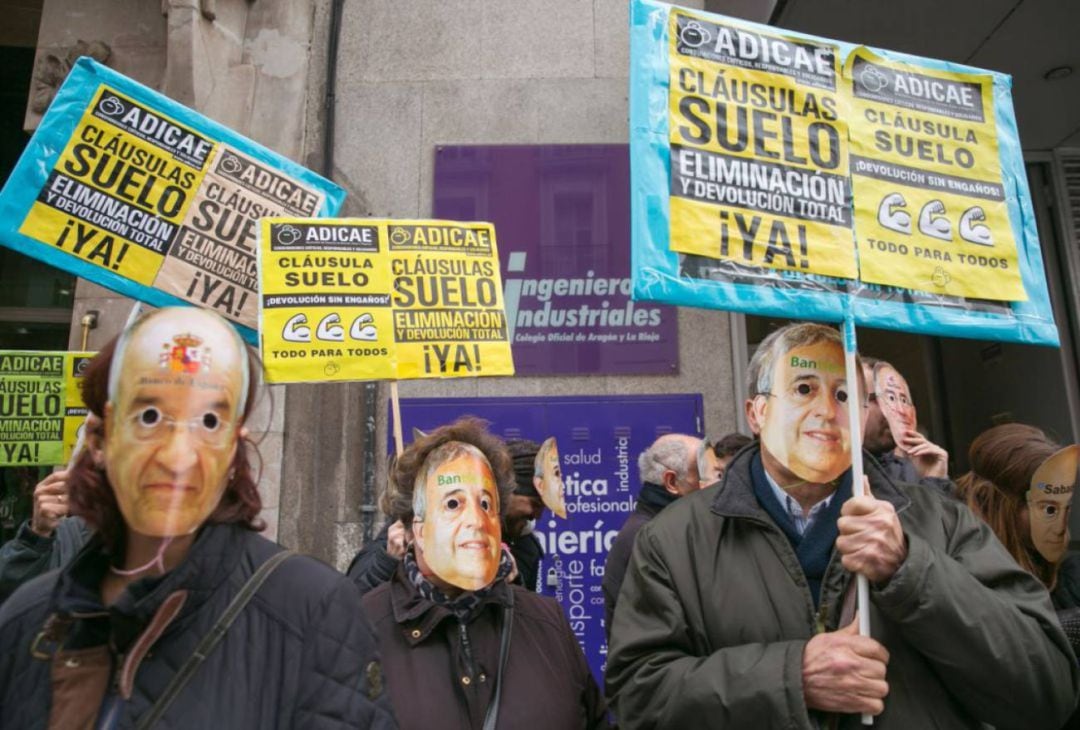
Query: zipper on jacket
pixel 822 619
pixel 466 651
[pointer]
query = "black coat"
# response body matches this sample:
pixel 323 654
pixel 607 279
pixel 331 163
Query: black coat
pixel 440 674
pixel 618 558
pixel 301 654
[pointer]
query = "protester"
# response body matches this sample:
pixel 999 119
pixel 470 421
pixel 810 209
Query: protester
pixel 1004 461
pixel 51 537
pixel 377 560
pixel 911 458
pixel 379 557
pixel 726 448
pixel 524 510
pixel 668 470
pixel 734 612
pixel 461 647
pixel 108 640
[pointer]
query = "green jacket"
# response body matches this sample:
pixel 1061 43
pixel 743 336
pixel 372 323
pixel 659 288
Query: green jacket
pixel 714 614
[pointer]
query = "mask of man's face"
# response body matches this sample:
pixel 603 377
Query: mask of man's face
pixel 708 466
pixel 459 535
pixel 171 426
pixel 894 399
pixel 804 420
pixel 549 481
pixel 877 438
pixel 1049 502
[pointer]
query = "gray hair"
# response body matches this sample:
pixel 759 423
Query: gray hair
pixel 759 373
pixel 441 455
pixel 672 451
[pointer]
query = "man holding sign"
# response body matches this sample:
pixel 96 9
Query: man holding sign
pixel 736 610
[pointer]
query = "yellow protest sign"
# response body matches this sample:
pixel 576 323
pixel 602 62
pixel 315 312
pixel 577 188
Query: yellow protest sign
pixel 758 143
pixel 153 200
pixel 930 208
pixel 370 299
pixel 41 408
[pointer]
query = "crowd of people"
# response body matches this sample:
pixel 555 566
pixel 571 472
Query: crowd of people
pixel 139 594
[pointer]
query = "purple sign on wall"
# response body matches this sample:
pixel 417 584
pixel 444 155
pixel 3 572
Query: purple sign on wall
pixel 562 218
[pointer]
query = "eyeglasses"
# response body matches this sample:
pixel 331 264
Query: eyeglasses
pixel 150 425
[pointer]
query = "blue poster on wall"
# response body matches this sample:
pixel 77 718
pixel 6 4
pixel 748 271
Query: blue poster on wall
pixel 599 440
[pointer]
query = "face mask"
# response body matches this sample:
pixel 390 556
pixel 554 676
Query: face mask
pixel 1049 502
pixel 551 488
pixel 894 400
pixel 460 534
pixel 804 419
pixel 177 385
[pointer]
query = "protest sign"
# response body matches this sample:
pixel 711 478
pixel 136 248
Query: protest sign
pixel 929 202
pixel 131 190
pixel 376 299
pixel 746 139
pixel 759 163
pixel 41 408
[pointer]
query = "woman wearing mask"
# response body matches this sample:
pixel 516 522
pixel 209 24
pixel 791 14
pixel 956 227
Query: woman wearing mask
pixel 461 647
pixel 123 636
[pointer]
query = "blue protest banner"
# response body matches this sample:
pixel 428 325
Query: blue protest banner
pixel 133 191
pixel 778 173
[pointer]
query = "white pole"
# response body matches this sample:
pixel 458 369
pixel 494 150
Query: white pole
pixel 854 375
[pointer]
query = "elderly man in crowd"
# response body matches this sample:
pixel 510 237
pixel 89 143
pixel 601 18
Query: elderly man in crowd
pixel 668 470
pixel 733 612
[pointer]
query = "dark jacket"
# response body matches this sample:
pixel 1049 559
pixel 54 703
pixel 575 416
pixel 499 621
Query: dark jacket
pixel 528 556
pixel 715 613
pixel 28 554
pixel 442 674
pixel 373 566
pixel 901 469
pixel 652 499
pixel 300 655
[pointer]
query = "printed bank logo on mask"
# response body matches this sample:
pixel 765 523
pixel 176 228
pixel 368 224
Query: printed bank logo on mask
pixel 1049 502
pixel 176 391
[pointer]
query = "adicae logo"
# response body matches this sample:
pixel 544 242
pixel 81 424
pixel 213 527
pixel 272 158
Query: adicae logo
pixel 287 235
pixel 399 236
pixel 694 35
pixel 873 79
pixel 230 164
pixel 111 106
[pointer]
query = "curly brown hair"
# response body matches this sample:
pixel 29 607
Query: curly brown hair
pixel 92 497
pixel 1003 460
pixel 398 500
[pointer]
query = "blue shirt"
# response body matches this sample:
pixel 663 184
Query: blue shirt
pixel 794 509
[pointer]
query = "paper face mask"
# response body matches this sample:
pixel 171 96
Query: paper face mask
pixel 460 534
pixel 804 420
pixel 1049 502
pixel 894 399
pixel 176 390
pixel 549 473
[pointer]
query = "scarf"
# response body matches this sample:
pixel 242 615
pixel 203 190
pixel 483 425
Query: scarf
pixel 465 606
